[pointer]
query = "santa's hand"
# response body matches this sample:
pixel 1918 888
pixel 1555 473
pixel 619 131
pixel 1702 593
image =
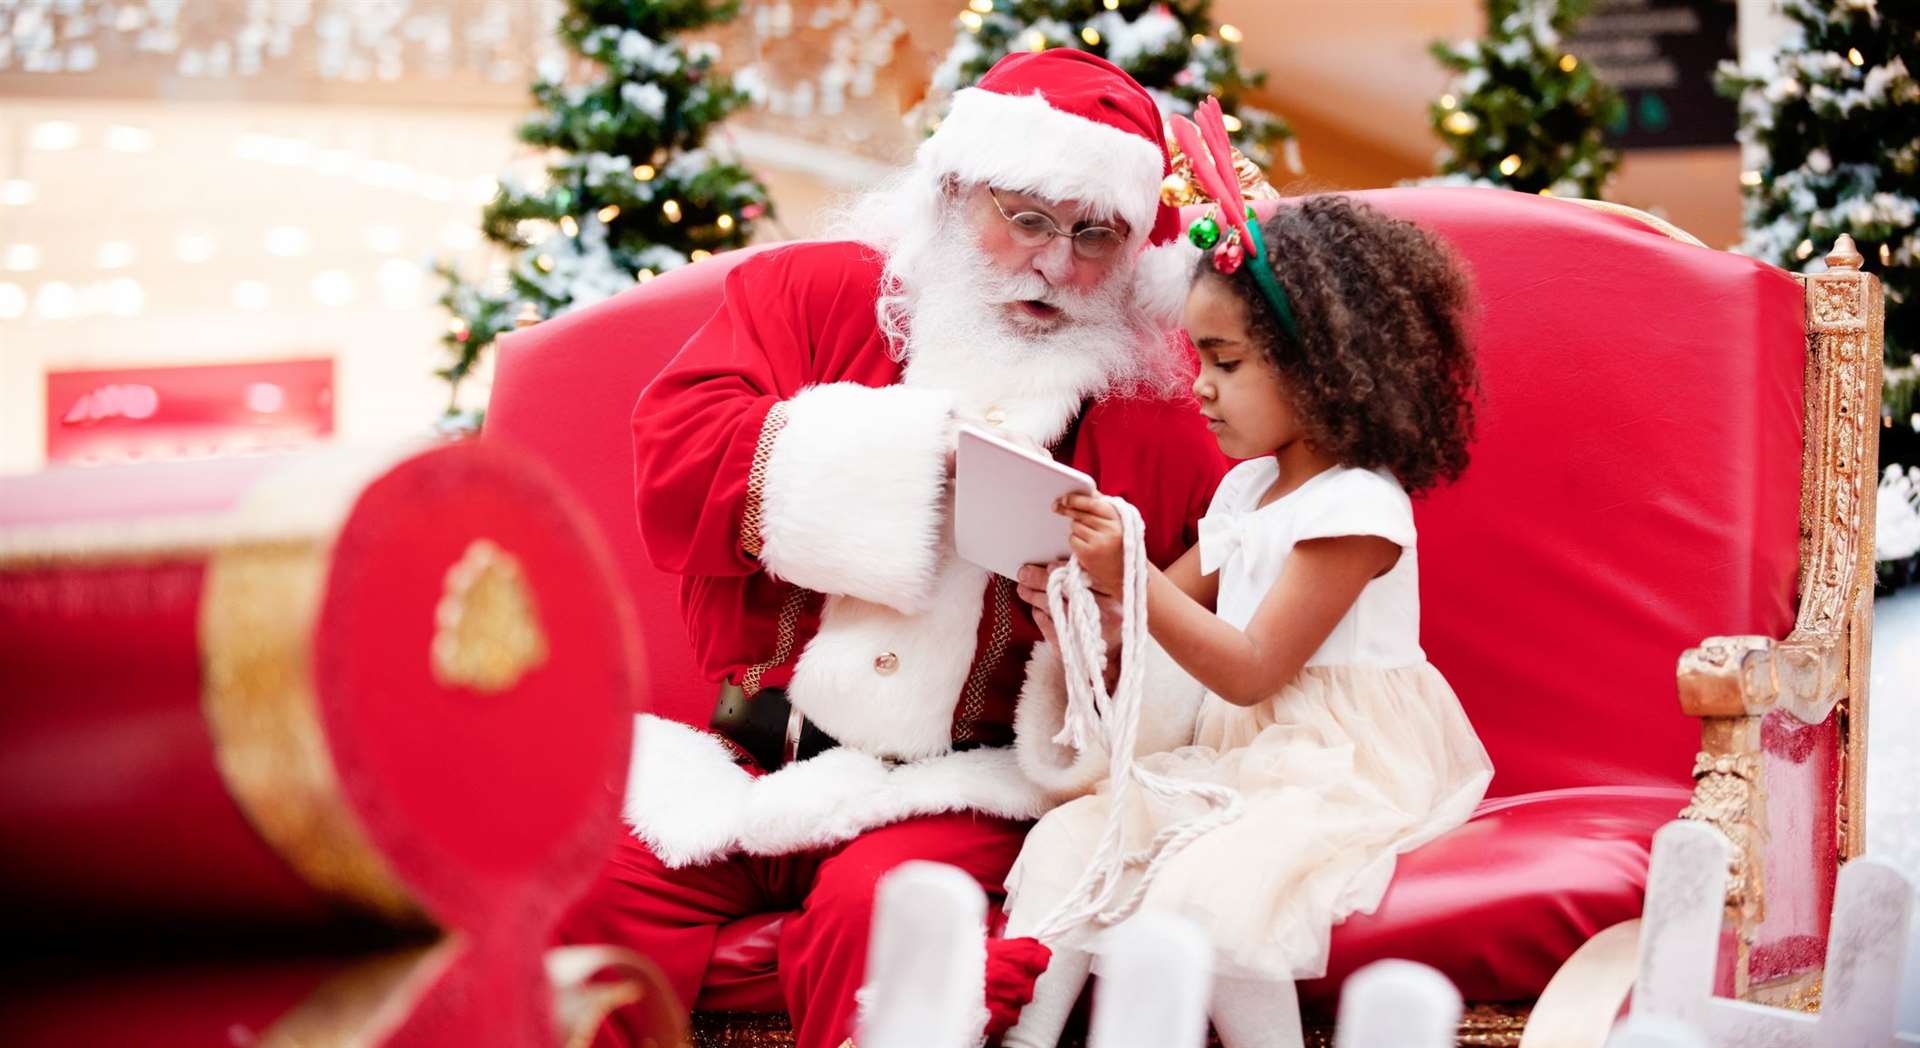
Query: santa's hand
pixel 1096 540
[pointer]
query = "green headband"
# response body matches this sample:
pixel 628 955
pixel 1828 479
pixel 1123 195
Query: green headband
pixel 1269 284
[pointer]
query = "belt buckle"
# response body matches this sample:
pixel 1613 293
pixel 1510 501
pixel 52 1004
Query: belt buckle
pixel 790 746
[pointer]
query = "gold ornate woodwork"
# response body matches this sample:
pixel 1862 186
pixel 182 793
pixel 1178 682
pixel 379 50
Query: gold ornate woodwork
pixel 487 631
pixel 1821 668
pixel 1481 1026
pixel 1654 222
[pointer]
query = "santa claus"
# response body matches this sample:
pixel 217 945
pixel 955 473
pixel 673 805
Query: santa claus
pixel 880 700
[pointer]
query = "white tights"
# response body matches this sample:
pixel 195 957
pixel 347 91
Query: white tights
pixel 1247 1013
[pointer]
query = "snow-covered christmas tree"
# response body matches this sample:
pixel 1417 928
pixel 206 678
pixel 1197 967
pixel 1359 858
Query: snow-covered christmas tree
pixel 1171 47
pixel 1522 112
pixel 628 191
pixel 1831 123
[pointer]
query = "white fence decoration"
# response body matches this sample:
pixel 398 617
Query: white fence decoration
pixel 1673 994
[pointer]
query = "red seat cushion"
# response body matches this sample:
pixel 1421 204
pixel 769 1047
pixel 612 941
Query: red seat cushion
pixel 1560 864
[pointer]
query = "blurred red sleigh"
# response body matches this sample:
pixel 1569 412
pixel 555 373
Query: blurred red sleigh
pixel 308 750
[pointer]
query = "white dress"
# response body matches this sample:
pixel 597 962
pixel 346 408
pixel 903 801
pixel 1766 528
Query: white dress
pixel 1364 755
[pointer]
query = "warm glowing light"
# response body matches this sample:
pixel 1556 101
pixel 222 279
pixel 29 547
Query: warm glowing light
pixel 569 226
pixel 1568 63
pixel 608 213
pixel 1804 251
pixel 671 209
pixel 982 6
pixel 1886 254
pixel 1461 123
pixel 1510 164
pixel 1230 122
pixel 1448 101
pixel 1036 41
pixel 1090 35
pixel 725 222
pixel 644 275
pixel 971 21
pixel 644 172
pixel 1111 5
pixel 1854 56
pixel 1231 33
pixel 544 263
pixel 698 255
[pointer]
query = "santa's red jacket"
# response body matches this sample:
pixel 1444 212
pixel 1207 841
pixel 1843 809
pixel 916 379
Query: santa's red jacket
pixel 794 472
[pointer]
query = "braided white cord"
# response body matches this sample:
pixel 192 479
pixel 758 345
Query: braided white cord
pixel 1091 712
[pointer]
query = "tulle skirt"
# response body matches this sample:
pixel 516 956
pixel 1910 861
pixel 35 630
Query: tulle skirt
pixel 1340 772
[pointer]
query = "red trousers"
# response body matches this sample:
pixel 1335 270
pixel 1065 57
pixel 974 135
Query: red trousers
pixel 673 916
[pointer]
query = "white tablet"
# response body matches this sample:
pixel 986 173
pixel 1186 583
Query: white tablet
pixel 1003 496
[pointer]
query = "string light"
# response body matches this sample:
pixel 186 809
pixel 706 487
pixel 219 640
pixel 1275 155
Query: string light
pixel 1230 122
pixel 1231 33
pixel 971 21
pixel 1547 191
pixel 1804 250
pixel 725 222
pixel 544 263
pixel 1448 101
pixel 1199 38
pixel 1111 5
pixel 1510 164
pixel 644 172
pixel 1036 41
pixel 1886 254
pixel 1568 63
pixel 1854 56
pixel 569 226
pixel 644 275
pixel 982 6
pixel 698 255
pixel 1091 36
pixel 1461 122
pixel 608 213
pixel 1749 178
pixel 671 209
pixel 457 328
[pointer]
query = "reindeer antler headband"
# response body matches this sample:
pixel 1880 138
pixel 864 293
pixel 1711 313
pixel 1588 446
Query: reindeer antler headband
pixel 1211 154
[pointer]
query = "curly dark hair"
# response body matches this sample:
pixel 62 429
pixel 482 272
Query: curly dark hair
pixel 1382 373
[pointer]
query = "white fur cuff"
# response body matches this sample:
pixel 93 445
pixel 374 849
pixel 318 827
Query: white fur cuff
pixel 854 498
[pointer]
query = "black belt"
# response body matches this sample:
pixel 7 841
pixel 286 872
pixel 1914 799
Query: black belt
pixel 773 732
pixel 768 727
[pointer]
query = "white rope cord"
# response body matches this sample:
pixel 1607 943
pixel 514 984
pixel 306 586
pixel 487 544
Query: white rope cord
pixel 1093 714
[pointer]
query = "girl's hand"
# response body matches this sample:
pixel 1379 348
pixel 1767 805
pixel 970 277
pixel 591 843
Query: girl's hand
pixel 1096 540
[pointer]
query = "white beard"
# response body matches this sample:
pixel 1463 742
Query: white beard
pixel 960 335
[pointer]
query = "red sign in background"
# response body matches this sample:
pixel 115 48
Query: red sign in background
pixel 169 413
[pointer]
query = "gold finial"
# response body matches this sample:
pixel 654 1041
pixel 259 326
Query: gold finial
pixel 528 316
pixel 487 631
pixel 1845 255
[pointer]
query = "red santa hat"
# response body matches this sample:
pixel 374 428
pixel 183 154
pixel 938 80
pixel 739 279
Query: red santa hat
pixel 1067 125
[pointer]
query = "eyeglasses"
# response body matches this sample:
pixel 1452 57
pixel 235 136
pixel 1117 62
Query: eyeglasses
pixel 1033 229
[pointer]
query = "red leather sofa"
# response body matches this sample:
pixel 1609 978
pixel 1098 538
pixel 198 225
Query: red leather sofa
pixel 1649 435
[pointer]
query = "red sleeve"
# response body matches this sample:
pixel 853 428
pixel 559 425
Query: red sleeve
pixel 698 426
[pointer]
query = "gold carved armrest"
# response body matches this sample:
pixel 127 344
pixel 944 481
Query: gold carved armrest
pixel 1821 668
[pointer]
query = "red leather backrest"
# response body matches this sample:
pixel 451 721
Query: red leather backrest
pixel 1634 486
pixel 564 389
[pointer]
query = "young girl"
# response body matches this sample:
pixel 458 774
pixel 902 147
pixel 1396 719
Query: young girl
pixel 1299 612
